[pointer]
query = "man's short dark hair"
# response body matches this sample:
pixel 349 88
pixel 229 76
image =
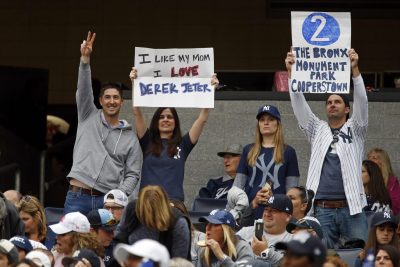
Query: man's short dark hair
pixel 345 99
pixel 118 86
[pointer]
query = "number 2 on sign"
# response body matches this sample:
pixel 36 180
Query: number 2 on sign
pixel 321 26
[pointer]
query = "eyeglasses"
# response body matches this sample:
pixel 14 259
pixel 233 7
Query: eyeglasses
pixel 112 208
pixel 26 198
pixel 168 117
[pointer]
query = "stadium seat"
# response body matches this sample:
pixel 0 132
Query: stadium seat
pixel 208 204
pixel 349 255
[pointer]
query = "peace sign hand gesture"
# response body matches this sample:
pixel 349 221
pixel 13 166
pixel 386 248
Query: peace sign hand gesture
pixel 87 46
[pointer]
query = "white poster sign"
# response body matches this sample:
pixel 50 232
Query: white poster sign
pixel 321 42
pixel 174 77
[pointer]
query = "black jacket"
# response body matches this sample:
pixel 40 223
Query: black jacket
pixel 10 222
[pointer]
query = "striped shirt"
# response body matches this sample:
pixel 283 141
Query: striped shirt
pixel 350 147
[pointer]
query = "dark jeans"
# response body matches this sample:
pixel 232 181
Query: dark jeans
pixel 78 201
pixel 338 223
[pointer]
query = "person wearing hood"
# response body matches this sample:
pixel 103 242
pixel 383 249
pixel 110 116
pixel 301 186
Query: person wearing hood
pixel 107 153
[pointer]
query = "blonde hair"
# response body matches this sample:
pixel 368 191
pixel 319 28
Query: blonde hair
pixel 86 240
pixel 229 248
pixel 337 261
pixel 32 206
pixel 279 148
pixel 180 262
pixel 386 166
pixel 153 208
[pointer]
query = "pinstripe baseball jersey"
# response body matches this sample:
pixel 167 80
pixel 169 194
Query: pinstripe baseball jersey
pixel 350 147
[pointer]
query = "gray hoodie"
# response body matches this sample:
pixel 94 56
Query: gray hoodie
pixel 104 158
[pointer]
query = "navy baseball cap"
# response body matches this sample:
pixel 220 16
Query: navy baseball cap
pixel 279 202
pixel 84 253
pixel 22 242
pixel 102 218
pixel 219 217
pixel 305 223
pixel 305 244
pixel 383 217
pixel 270 110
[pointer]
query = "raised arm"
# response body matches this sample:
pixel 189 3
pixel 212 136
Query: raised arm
pixel 84 93
pixel 198 125
pixel 301 109
pixel 140 122
pixel 360 101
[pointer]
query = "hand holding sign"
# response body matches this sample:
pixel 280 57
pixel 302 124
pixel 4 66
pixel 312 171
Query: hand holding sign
pixel 354 62
pixel 289 61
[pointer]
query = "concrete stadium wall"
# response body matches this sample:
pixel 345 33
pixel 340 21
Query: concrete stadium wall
pixel 234 121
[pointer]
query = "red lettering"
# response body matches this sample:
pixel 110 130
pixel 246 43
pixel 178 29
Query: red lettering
pixel 195 71
pixel 173 74
pixel 185 71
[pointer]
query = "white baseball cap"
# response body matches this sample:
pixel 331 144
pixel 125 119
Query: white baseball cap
pixel 39 257
pixel 145 248
pixel 73 221
pixel 117 196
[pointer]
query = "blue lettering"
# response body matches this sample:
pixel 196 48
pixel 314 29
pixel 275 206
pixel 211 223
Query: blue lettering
pixel 143 89
pixel 157 88
pixel 173 88
pixel 187 87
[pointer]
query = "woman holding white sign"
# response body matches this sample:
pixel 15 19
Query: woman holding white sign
pixel 164 148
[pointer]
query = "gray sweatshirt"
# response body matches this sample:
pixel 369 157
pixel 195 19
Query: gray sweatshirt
pixel 244 254
pixel 104 157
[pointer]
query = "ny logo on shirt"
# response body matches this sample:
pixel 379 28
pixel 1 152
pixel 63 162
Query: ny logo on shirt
pixel 347 138
pixel 267 171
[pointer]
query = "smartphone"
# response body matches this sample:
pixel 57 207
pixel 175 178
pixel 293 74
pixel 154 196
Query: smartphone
pixel 259 229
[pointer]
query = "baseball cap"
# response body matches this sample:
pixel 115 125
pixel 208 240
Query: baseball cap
pixel 305 244
pixel 73 221
pixel 102 218
pixel 38 257
pixel 305 224
pixel 145 248
pixel 232 149
pixel 10 250
pixel 82 254
pixel 219 217
pixel 383 217
pixel 270 110
pixel 279 202
pixel 116 196
pixel 22 242
pixel 36 244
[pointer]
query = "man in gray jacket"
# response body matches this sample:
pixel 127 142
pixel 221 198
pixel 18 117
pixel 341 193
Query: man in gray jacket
pixel 107 154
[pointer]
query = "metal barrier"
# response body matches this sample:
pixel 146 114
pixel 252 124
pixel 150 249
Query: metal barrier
pixel 13 167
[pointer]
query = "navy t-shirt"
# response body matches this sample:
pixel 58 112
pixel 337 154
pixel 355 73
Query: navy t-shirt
pixel 331 182
pixel 266 170
pixel 164 170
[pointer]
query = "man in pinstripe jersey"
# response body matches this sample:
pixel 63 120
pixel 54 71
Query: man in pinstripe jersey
pixel 337 148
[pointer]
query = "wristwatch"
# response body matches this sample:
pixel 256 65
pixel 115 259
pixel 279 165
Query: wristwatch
pixel 224 257
pixel 264 254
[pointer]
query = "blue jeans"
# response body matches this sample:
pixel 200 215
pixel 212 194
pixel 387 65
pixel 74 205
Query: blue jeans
pixel 338 223
pixel 77 201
